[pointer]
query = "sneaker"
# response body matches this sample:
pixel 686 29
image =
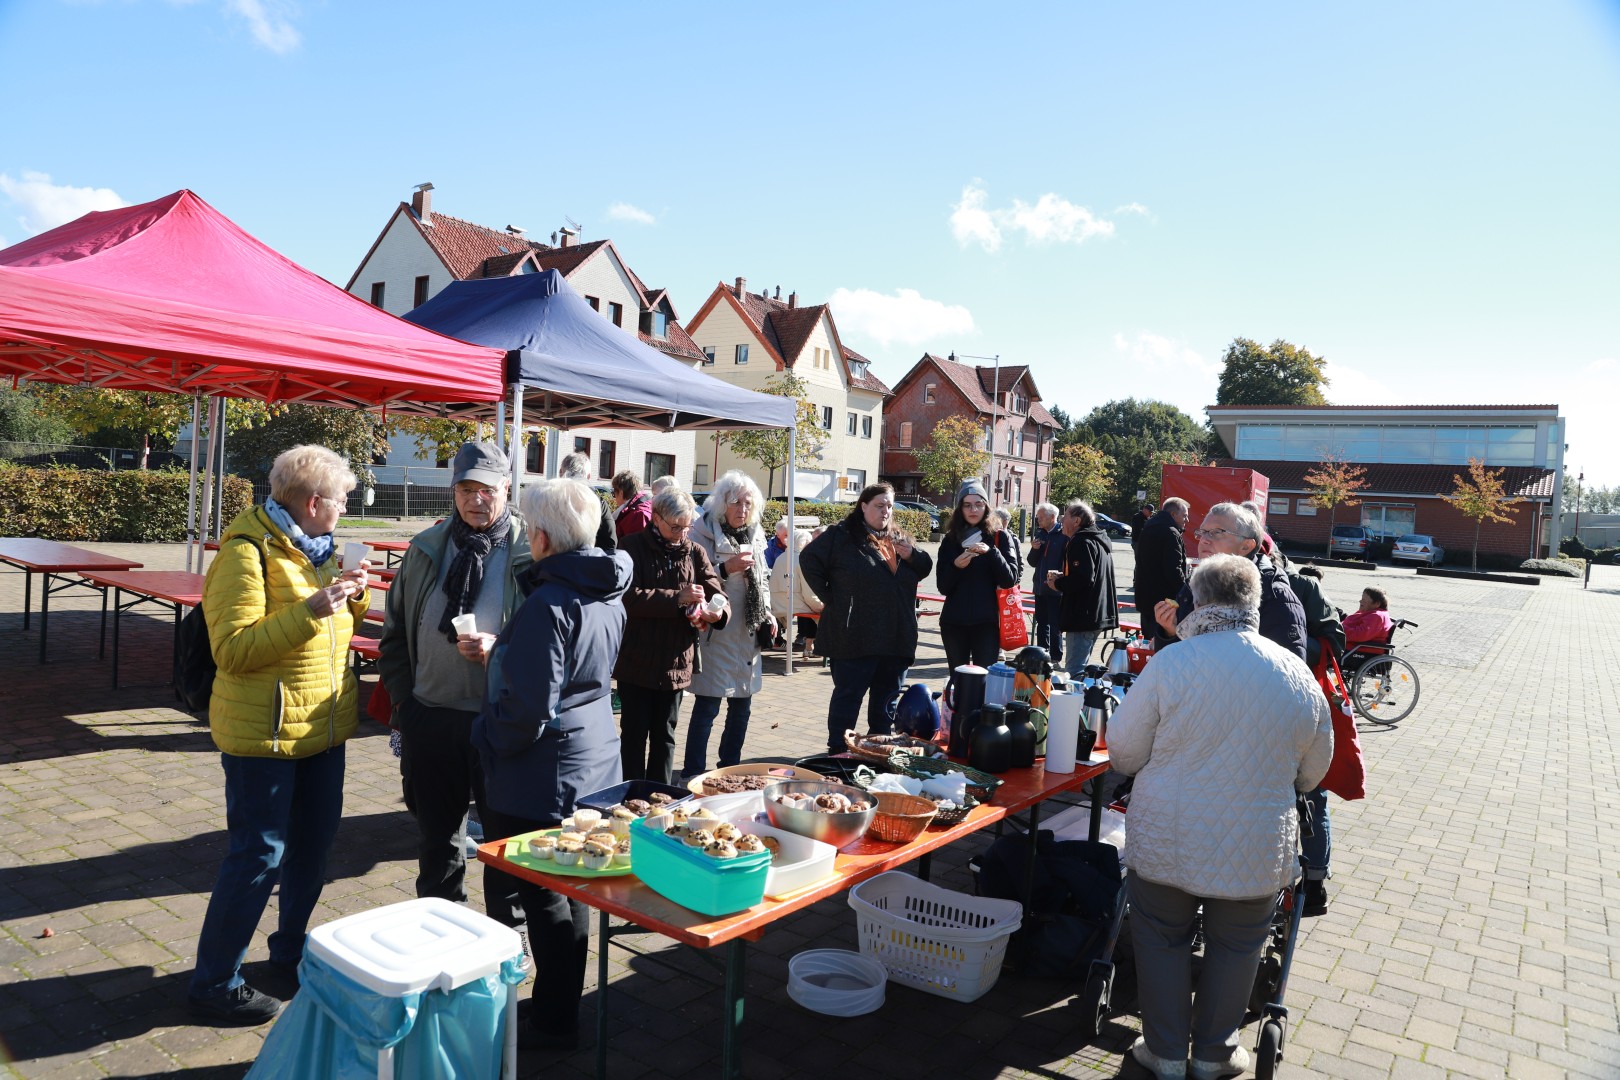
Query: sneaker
pixel 1161 1068
pixel 527 963
pixel 1236 1064
pixel 243 1006
pixel 1316 901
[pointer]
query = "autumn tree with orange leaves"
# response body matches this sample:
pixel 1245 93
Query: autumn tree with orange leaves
pixel 1482 498
pixel 1332 484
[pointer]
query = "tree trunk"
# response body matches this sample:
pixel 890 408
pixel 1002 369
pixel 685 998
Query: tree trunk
pixel 1333 517
pixel 1477 525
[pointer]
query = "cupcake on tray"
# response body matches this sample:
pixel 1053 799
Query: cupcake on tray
pixel 598 854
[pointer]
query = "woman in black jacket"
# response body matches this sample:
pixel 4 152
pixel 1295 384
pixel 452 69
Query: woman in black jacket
pixel 866 575
pixel 1088 603
pixel 975 559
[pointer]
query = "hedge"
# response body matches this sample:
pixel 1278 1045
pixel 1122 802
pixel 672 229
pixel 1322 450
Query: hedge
pixel 130 506
pixel 1563 567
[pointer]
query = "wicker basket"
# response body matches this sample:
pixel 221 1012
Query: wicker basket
pixel 900 819
pixel 981 785
pixel 945 817
pixel 875 749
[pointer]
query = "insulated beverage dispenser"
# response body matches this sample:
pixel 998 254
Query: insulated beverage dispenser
pixel 965 696
pixel 999 685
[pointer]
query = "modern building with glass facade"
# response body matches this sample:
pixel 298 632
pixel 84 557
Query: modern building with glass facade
pixel 1412 455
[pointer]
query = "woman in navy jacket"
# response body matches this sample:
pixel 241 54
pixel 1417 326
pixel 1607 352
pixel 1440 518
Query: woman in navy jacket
pixel 975 559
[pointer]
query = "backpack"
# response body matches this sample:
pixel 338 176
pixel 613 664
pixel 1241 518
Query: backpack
pixel 194 666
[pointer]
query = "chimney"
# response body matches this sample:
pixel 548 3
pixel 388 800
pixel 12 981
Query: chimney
pixel 778 293
pixel 793 299
pixel 516 231
pixel 567 236
pixel 422 203
pixel 740 288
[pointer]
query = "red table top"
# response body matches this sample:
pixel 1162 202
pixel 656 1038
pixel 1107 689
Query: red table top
pixel 175 586
pixel 629 899
pixel 51 556
pixel 387 545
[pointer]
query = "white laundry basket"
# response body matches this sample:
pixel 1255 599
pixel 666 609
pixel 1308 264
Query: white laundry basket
pixel 945 942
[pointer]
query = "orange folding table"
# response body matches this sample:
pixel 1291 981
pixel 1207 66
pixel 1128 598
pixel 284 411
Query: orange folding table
pixel 173 589
pixel 53 561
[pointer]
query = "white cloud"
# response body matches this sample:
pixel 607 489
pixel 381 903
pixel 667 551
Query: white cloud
pixel 907 317
pixel 1600 365
pixel 46 205
pixel 1051 219
pixel 270 22
pixel 623 211
pixel 1351 386
pixel 1174 371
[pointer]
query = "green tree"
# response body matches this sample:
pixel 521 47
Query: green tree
pixel 1081 472
pixel 1334 483
pixel 1275 374
pixel 954 452
pixel 138 419
pixel 24 419
pixel 1139 436
pixel 768 447
pixel 1061 415
pixel 356 434
pixel 1482 498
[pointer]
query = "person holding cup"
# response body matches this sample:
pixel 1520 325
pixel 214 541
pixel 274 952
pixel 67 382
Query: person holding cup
pixel 279 610
pixel 975 559
pixel 456 589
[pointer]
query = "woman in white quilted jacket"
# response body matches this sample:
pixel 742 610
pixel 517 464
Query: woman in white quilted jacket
pixel 1220 733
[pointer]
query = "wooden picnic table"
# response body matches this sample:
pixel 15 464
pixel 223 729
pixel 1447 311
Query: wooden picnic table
pixel 173 589
pixel 53 561
pixel 647 911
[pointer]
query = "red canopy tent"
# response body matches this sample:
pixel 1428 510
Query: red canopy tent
pixel 172 296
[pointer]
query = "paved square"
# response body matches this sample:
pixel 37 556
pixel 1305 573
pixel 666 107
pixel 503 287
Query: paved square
pixel 1474 931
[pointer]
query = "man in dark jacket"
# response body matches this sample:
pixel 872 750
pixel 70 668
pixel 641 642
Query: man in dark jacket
pixel 1046 554
pixel 1089 604
pixel 1161 560
pixel 1321 620
pixel 1139 522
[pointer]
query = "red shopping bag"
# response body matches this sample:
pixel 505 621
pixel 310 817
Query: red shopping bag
pixel 1014 630
pixel 1347 774
pixel 379 706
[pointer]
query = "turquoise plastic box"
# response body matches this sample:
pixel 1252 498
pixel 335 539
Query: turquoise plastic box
pixel 694 880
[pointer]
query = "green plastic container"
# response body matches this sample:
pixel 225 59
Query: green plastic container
pixel 694 880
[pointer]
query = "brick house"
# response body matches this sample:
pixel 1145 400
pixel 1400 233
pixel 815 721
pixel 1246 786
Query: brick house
pixel 1019 432
pixel 420 251
pixel 1411 454
pixel 746 339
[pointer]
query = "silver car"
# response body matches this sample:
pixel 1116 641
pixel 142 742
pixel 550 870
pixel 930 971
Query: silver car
pixel 1417 547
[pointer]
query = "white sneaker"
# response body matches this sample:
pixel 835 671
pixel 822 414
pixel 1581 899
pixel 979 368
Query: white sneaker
pixel 1161 1068
pixel 528 960
pixel 1236 1064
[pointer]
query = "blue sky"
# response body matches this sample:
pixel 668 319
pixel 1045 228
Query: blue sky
pixel 1422 193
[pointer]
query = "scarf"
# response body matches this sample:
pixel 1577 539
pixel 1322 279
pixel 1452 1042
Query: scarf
pixel 1212 619
pixel 756 610
pixel 884 542
pixel 466 576
pixel 317 548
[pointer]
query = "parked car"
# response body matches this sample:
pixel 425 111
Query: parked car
pixel 1417 547
pixel 1351 540
pixel 923 505
pixel 1117 530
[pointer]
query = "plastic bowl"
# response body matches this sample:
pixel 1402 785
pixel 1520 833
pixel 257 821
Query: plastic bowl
pixel 837 983
pixel 839 830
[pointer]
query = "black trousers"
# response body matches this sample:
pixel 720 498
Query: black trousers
pixel 979 644
pixel 559 938
pixel 441 774
pixel 647 732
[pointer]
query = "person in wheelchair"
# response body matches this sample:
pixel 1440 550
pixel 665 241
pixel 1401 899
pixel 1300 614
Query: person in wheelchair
pixel 1370 623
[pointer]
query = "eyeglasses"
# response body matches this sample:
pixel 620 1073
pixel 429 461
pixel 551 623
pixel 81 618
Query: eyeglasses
pixel 1211 534
pixel 973 504
pixel 341 504
pixel 672 526
pixel 477 494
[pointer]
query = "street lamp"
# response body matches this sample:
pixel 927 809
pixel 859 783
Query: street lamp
pixel 995 408
pixel 1579 477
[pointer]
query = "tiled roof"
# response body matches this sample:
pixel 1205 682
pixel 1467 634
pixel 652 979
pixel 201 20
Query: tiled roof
pixel 794 327
pixel 678 344
pixel 465 247
pixel 1363 408
pixel 564 260
pixel 966 381
pixel 1524 481
pixel 864 379
pixel 503 265
pixel 1038 413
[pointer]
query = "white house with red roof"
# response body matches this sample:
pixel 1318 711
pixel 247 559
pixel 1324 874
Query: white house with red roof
pixel 421 250
pixel 747 338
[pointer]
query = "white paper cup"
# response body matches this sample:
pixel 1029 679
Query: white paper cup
pixel 465 624
pixel 354 553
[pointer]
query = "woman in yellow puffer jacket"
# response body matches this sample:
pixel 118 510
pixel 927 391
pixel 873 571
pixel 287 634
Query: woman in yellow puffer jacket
pixel 280 615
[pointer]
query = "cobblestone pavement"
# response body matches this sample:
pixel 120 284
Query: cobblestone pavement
pixel 1473 930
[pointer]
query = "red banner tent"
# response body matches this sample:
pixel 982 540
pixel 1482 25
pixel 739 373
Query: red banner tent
pixel 172 296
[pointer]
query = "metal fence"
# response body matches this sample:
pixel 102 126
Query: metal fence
pixel 85 457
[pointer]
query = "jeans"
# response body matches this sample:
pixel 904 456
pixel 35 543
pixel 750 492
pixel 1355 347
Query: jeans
pixel 876 678
pixel 559 940
pixel 1318 847
pixel 979 643
pixel 1047 634
pixel 647 732
pixel 1162 925
pixel 281 815
pixel 704 711
pixel 440 772
pixel 1077 645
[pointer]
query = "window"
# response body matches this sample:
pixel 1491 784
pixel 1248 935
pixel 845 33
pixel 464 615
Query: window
pixel 866 427
pixel 700 476
pixel 742 354
pixel 595 302
pixel 905 433
pixel 1387 521
pixel 616 313
pixel 928 393
pixel 536 456
pixel 380 459
pixel 378 289
pixel 660 325
pixel 826 417
pixel 659 465
pixel 856 479
pixel 708 354
pixel 853 421
pixel 1278 505
pixel 421 291
pixel 1304 508
pixel 1020 444
pixel 990 437
pixel 1009 440
pixel 582 445
pixel 607 457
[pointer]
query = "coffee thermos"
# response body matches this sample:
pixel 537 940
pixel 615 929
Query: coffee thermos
pixel 965 696
pixel 1023 735
pixel 992 741
pixel 1063 733
pixel 999 684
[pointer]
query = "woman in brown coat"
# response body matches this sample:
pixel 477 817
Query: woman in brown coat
pixel 672 581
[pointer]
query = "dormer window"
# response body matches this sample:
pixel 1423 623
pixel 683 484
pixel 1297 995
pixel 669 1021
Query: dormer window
pixel 660 324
